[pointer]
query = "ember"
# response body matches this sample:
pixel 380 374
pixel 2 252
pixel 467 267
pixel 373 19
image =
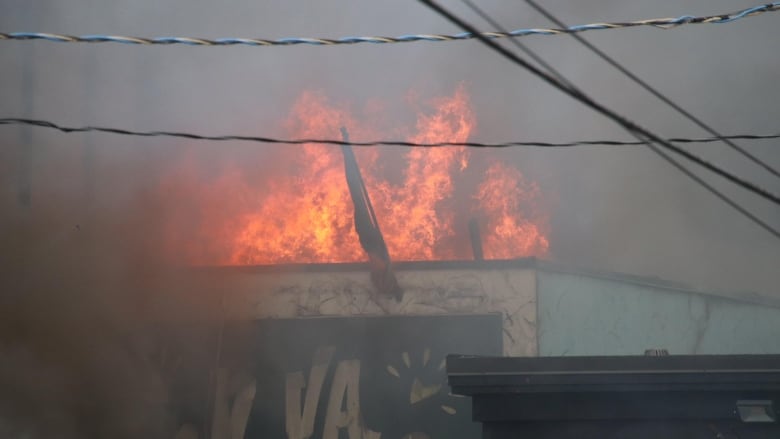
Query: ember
pixel 292 205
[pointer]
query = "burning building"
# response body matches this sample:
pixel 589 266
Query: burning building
pixel 301 341
pixel 313 341
pixel 304 229
pixel 312 344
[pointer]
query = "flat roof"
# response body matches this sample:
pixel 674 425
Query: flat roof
pixel 496 264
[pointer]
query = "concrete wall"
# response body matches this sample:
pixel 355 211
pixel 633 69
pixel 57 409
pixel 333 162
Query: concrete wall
pixel 510 291
pixel 586 315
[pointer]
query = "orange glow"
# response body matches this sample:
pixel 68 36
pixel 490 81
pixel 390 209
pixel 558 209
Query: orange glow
pixel 513 224
pixel 291 204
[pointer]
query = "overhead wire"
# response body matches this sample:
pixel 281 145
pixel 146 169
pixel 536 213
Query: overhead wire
pixel 271 140
pixel 540 9
pixel 682 111
pixel 541 61
pixel 598 107
pixel 662 23
pixel 620 120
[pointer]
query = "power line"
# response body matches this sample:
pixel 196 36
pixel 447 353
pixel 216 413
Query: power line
pixel 652 90
pixel 260 139
pixel 627 124
pixel 758 221
pixel 663 23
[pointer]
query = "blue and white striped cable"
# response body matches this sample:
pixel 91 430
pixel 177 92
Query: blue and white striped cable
pixel 664 23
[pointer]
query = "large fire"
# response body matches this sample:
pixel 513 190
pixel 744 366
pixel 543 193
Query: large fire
pixel 292 205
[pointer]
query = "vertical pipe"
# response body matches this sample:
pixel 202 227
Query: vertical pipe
pixel 24 170
pixel 476 240
pixel 88 103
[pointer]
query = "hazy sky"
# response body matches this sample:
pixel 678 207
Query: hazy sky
pixel 617 209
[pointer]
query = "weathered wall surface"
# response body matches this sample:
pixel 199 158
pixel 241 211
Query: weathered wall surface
pixel 584 315
pixel 508 291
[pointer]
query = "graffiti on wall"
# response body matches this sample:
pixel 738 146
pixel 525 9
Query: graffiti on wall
pixel 349 378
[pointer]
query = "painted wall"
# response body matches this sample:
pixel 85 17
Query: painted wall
pixel 587 315
pixel 509 291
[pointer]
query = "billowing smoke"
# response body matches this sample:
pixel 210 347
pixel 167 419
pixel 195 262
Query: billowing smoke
pixel 99 335
pixel 70 362
pixel 91 330
pixel 80 279
pixel 614 208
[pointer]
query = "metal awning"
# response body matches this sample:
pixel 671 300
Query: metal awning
pixel 637 397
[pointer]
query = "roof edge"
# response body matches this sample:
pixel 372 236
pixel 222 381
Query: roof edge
pixel 498 264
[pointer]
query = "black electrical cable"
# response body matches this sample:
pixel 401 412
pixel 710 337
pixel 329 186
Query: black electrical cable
pixel 402 143
pixel 652 147
pixel 600 108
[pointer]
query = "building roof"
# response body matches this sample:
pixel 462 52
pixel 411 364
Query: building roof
pixel 531 263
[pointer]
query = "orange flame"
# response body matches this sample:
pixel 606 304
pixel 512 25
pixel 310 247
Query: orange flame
pixel 514 226
pixel 292 205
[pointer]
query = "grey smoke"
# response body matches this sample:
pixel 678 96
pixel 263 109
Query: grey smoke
pixel 616 209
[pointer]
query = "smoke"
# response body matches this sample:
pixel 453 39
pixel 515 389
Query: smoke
pixel 100 335
pixel 84 287
pixel 719 72
pixel 87 334
pixel 620 209
pixel 81 257
pixel 69 367
pixel 625 209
